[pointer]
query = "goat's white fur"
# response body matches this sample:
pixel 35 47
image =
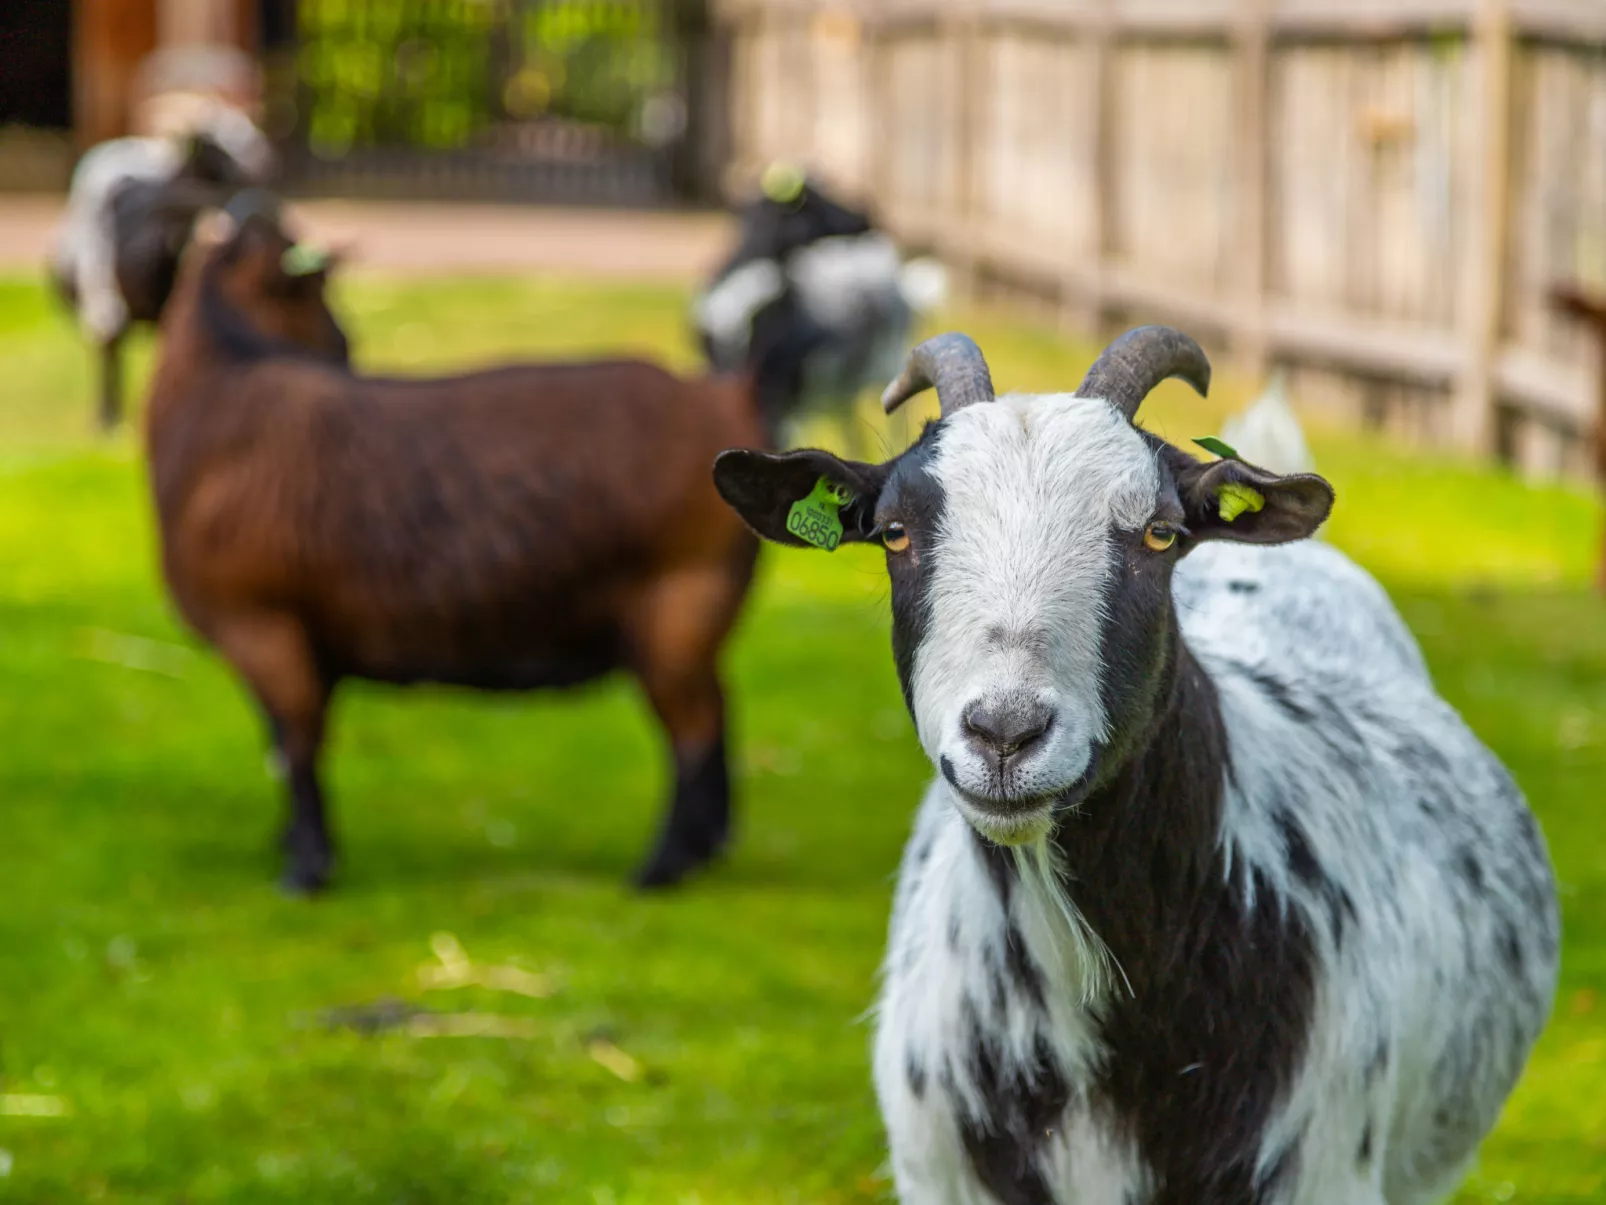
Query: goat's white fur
pixel 85 247
pixel 854 286
pixel 1032 486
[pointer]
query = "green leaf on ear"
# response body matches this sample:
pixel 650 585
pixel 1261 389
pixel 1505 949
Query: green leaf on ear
pixel 1219 447
pixel 1233 499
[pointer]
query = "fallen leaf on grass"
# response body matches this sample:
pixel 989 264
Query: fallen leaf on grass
pixel 615 1060
pixel 135 652
pixel 29 1104
pixel 471 1025
pixel 454 969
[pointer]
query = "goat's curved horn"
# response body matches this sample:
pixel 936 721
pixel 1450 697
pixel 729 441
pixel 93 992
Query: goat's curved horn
pixel 951 362
pixel 1138 361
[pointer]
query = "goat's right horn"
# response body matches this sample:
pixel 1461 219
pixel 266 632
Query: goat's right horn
pixel 1139 360
pixel 954 364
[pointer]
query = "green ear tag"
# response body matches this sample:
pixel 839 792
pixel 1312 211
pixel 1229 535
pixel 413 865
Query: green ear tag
pixel 1219 447
pixel 1233 499
pixel 303 260
pixel 814 519
pixel 782 183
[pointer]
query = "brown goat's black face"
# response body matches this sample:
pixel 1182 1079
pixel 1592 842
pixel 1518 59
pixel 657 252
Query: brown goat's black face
pixel 278 287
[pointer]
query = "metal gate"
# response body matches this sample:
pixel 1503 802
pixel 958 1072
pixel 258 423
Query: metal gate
pixel 570 101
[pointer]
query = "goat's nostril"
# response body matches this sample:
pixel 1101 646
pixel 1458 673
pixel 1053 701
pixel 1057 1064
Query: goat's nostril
pixel 1006 730
pixel 1033 727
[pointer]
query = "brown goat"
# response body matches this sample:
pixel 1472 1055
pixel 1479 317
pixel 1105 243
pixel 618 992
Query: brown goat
pixel 1592 310
pixel 529 526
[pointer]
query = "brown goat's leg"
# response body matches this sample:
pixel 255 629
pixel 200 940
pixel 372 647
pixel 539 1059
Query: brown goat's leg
pixel 272 654
pixel 111 383
pixel 678 641
pixel 697 824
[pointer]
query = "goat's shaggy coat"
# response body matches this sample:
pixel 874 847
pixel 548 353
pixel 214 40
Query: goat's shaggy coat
pixel 845 278
pixel 1251 917
pixel 129 211
pixel 530 526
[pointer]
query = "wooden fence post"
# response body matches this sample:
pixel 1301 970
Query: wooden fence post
pixel 110 40
pixel 1083 306
pixel 960 32
pixel 197 23
pixel 1252 204
pixel 875 63
pixel 1489 147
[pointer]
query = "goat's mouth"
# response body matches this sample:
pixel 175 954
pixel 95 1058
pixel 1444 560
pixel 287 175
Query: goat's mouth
pixel 1012 818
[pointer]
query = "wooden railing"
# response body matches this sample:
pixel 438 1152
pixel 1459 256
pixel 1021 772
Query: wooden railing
pixel 1378 194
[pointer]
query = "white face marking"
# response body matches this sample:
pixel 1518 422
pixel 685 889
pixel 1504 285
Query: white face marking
pixel 1033 486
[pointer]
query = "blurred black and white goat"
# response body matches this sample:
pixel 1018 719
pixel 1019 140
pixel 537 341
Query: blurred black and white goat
pixel 844 276
pixel 1213 900
pixel 1270 428
pixel 130 209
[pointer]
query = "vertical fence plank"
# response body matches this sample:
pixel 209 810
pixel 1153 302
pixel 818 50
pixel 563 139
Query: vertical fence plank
pixel 1084 290
pixel 1247 236
pixel 875 64
pixel 1472 413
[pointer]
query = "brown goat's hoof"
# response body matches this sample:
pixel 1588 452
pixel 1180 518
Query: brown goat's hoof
pixel 301 883
pixel 668 867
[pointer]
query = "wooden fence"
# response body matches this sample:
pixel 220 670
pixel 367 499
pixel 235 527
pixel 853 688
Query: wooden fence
pixel 1377 194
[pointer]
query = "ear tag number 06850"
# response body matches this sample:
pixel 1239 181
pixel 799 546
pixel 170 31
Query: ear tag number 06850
pixel 814 519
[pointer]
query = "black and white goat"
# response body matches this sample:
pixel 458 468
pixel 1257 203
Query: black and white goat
pixel 1213 900
pixel 845 277
pixel 130 209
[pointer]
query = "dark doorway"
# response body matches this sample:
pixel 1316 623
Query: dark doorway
pixel 36 50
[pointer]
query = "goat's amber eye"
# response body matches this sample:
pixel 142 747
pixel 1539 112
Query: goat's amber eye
pixel 894 537
pixel 1158 537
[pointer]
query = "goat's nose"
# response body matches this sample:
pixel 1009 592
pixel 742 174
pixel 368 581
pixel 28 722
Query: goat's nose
pixel 1002 730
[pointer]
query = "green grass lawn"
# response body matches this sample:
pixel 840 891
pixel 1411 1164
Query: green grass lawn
pixel 162 999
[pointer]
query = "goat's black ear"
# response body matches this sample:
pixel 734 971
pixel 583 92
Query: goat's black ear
pixel 762 488
pixel 1234 500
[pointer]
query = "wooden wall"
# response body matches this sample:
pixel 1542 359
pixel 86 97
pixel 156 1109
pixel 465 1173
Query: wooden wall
pixel 111 38
pixel 1374 193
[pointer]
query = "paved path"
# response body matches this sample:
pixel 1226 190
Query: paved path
pixel 433 238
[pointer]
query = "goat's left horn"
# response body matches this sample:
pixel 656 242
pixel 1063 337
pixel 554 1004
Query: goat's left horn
pixel 951 362
pixel 1138 361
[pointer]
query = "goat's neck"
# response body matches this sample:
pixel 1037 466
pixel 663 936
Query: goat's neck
pixel 1137 855
pixel 191 406
pixel 187 361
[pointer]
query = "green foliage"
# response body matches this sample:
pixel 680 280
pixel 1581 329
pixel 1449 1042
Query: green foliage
pixel 437 75
pixel 1217 447
pixel 158 986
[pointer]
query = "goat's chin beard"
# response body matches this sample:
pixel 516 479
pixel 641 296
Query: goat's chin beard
pixel 1025 825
